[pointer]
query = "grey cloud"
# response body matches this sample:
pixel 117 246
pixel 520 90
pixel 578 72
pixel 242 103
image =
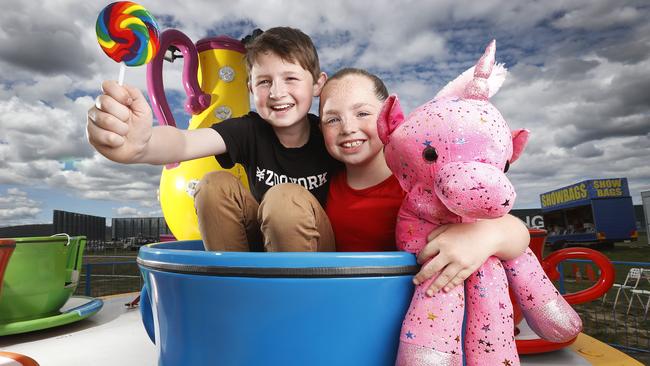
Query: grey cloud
pixel 573 68
pixel 127 211
pixel 588 150
pixel 47 45
pixel 622 109
pixel 632 90
pixel 603 129
pixel 582 126
pixel 17 208
pixel 630 52
pixel 35 131
pixel 600 15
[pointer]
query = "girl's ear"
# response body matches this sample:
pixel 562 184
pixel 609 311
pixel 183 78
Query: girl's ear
pixel 250 86
pixel 318 85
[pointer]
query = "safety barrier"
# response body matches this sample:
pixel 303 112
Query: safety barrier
pixel 621 317
pixel 102 278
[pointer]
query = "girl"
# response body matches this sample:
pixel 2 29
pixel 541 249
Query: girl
pixel 364 199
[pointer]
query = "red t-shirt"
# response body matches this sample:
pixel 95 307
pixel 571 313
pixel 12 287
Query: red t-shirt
pixel 364 220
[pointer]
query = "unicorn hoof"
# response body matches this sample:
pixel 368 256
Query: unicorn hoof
pixel 415 355
pixel 555 322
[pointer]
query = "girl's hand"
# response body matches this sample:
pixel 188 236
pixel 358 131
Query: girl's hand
pixel 456 251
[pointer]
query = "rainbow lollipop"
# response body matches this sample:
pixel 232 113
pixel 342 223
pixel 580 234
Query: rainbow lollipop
pixel 128 34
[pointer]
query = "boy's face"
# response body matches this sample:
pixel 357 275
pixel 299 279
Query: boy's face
pixel 282 91
pixel 349 111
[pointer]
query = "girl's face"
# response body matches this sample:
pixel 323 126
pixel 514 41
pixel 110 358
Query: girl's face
pixel 349 111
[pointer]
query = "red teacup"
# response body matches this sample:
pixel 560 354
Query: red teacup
pixel 549 264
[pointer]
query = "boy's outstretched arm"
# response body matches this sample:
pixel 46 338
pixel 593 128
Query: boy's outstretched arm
pixel 460 249
pixel 120 127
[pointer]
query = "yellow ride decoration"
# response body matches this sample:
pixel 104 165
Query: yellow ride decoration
pixel 223 93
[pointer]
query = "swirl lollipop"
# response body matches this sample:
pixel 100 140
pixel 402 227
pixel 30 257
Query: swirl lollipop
pixel 128 34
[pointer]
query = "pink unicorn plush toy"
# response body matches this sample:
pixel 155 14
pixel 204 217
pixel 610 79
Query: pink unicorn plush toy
pixel 450 156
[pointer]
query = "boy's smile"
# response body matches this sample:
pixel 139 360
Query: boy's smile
pixel 282 107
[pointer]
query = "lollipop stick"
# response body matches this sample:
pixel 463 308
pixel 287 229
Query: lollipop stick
pixel 120 80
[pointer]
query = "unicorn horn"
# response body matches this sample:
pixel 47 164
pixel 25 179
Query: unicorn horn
pixel 478 88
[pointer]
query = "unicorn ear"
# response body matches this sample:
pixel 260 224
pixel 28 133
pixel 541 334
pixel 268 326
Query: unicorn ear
pixel 519 141
pixel 390 117
pixel 456 88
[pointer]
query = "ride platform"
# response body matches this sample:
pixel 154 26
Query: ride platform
pixel 115 336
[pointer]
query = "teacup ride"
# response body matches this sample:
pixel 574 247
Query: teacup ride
pixel 294 308
pixel 39 281
pixel 16 359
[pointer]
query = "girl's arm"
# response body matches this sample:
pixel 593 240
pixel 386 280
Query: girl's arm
pixel 460 249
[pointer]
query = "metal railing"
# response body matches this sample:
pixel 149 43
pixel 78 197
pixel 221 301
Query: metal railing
pixel 617 318
pixel 109 278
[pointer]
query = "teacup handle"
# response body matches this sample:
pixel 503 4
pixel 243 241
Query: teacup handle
pixel 62 234
pixel 602 285
pixel 197 101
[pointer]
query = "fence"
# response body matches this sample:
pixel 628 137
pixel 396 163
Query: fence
pixel 109 275
pixel 619 318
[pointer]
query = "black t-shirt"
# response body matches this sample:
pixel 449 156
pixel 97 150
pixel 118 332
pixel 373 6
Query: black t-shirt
pixel 252 143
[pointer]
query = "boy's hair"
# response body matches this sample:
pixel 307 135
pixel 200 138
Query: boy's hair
pixel 289 44
pixel 379 87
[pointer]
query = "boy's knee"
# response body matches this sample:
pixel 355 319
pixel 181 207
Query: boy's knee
pixel 218 177
pixel 217 182
pixel 287 204
pixel 292 220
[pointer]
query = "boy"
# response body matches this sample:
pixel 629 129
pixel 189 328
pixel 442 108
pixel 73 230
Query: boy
pixel 280 147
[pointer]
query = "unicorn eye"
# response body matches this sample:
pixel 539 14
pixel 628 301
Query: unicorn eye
pixel 429 154
pixel 505 170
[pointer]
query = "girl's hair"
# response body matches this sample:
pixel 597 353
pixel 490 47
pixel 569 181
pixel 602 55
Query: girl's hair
pixel 380 89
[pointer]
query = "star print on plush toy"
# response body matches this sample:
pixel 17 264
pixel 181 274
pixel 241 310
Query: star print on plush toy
pixel 468 146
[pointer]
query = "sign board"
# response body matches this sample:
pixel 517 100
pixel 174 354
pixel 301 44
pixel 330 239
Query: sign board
pixel 583 191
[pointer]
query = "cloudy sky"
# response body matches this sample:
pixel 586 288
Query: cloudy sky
pixel 579 80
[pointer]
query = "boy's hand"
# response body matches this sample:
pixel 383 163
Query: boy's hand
pixel 460 249
pixel 119 124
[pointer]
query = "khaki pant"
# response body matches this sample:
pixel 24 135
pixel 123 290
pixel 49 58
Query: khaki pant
pixel 289 218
